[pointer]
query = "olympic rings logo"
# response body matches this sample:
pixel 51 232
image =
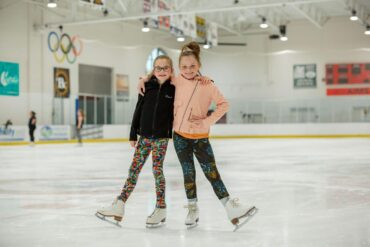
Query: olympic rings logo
pixel 66 45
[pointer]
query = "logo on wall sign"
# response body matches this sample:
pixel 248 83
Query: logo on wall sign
pixel 64 47
pixel 46 131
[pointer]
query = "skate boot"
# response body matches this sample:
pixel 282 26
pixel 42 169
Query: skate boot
pixel 238 213
pixel 193 215
pixel 157 218
pixel 116 210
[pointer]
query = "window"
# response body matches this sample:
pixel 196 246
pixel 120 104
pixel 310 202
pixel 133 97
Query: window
pixel 155 53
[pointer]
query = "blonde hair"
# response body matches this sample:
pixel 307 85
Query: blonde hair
pixel 81 112
pixel 190 49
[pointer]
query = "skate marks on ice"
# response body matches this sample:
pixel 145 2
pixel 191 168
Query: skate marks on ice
pixel 240 222
pixel 104 218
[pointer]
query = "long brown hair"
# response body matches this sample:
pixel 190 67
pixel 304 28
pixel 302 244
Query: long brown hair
pixel 190 49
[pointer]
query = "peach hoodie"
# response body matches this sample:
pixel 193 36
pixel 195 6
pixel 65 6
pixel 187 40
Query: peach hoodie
pixel 192 101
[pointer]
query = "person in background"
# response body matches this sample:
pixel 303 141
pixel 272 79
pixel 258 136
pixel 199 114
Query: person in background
pixel 32 127
pixel 7 124
pixel 79 125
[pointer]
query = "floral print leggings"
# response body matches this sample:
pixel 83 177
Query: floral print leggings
pixel 201 148
pixel 158 147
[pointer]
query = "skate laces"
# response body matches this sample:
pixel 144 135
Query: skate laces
pixel 154 212
pixel 234 202
pixel 192 209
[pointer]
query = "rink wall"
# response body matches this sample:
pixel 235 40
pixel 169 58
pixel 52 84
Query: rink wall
pixel 65 133
pixel 267 130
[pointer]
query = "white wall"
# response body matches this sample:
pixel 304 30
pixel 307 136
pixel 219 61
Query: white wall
pixel 259 71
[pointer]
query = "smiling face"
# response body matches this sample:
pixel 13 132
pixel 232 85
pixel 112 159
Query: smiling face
pixel 162 70
pixel 189 67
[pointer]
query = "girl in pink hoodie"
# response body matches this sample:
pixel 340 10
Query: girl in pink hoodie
pixel 191 131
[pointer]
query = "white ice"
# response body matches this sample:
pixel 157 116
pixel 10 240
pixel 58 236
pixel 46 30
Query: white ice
pixel 310 192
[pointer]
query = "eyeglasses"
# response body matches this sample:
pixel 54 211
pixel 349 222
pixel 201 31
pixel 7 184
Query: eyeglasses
pixel 159 69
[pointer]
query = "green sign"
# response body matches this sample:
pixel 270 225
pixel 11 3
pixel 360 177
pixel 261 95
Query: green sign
pixel 304 75
pixel 9 79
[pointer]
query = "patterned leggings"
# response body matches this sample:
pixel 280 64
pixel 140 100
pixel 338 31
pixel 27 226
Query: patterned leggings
pixel 201 148
pixel 158 147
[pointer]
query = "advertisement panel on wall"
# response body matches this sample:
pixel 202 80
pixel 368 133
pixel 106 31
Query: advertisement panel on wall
pixel 9 79
pixel 12 133
pixel 53 132
pixel 304 75
pixel 347 91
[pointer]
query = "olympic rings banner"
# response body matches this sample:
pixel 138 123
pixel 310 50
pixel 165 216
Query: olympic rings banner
pixel 64 47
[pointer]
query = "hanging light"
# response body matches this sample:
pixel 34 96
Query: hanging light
pixel 145 27
pixel 52 3
pixel 283 36
pixel 180 38
pixel 264 24
pixel 354 16
pixel 367 31
pixel 207 45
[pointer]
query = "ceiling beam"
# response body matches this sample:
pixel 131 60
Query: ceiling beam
pixel 311 13
pixel 190 11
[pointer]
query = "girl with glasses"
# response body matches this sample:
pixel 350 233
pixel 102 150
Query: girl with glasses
pixel 152 120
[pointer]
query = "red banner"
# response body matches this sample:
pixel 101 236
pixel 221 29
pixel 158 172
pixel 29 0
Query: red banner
pixel 347 91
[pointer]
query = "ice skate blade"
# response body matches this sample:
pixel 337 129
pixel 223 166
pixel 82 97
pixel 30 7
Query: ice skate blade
pixel 191 226
pixel 162 223
pixel 103 218
pixel 245 218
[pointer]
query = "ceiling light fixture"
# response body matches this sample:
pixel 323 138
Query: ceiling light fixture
pixel 206 46
pixel 264 24
pixel 367 31
pixel 180 39
pixel 145 27
pixel 52 4
pixel 354 16
pixel 283 36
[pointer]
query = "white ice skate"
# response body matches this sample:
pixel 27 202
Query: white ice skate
pixel 116 210
pixel 157 218
pixel 192 218
pixel 238 213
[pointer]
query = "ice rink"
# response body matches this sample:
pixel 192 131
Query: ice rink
pixel 310 192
